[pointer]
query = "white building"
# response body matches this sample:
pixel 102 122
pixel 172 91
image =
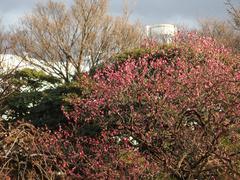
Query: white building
pixel 9 62
pixel 161 32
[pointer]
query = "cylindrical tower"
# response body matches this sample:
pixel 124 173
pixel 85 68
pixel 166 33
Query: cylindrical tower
pixel 161 32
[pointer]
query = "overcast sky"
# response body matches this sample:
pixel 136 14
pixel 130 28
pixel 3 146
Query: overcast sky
pixel 184 12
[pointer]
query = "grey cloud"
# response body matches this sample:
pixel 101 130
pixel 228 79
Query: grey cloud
pixel 147 11
pixel 13 5
pixel 12 10
pixel 176 11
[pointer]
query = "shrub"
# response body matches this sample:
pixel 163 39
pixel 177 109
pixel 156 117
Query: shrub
pixel 22 155
pixel 40 96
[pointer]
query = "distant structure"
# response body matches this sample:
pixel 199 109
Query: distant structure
pixel 161 32
pixel 9 62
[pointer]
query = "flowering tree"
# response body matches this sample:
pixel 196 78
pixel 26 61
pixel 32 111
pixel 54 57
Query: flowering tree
pixel 177 106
